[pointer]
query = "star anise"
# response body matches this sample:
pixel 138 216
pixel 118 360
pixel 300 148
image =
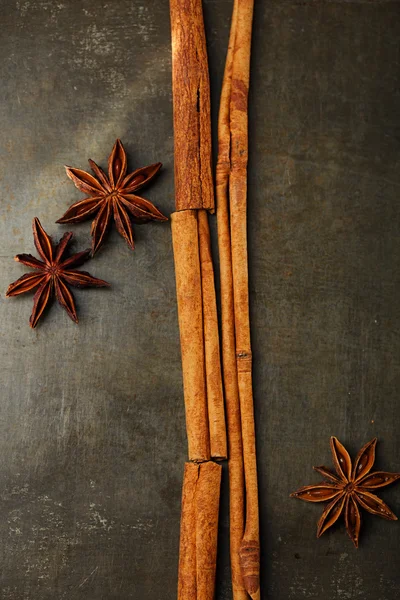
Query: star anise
pixel 112 196
pixel 349 489
pixel 53 274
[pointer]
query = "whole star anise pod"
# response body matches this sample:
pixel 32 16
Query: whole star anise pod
pixel 349 489
pixel 112 196
pixel 53 274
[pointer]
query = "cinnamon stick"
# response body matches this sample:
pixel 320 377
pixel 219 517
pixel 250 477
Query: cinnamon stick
pixel 231 390
pixel 187 580
pixel 232 181
pixel 190 315
pixel 207 509
pixel 196 301
pixel 199 531
pixel 191 107
pixel 215 398
pixel 250 547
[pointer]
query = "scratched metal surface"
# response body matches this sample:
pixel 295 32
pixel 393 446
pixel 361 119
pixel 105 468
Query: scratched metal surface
pixel 92 440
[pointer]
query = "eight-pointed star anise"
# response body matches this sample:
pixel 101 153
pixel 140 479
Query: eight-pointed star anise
pixel 112 196
pixel 349 489
pixel 53 274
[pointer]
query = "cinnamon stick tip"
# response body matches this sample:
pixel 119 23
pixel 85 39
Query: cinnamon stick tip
pixel 249 555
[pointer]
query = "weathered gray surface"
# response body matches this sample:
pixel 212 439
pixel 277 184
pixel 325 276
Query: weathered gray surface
pixel 92 440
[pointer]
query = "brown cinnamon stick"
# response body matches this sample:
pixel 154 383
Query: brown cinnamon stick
pixel 191 104
pixel 187 580
pixel 215 398
pixel 207 509
pixel 199 531
pixel 196 301
pixel 190 314
pixel 250 547
pixel 231 390
pixel 232 171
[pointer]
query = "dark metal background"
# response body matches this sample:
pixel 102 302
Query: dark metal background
pixel 92 433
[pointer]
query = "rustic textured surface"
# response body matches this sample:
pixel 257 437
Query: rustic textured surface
pixel 92 440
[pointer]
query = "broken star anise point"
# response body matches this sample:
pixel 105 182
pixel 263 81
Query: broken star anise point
pixel 112 196
pixel 349 489
pixel 53 274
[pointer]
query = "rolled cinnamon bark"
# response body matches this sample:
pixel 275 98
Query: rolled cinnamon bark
pixel 231 390
pixel 191 107
pixel 199 531
pixel 250 547
pixel 207 509
pixel 232 174
pixel 185 241
pixel 196 301
pixel 215 398
pixel 187 577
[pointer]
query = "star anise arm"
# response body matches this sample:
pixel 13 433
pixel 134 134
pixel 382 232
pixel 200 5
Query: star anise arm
pixel 374 505
pixel 123 223
pixel 62 246
pixel 30 261
pixel 378 479
pixel 142 210
pixel 331 514
pixel 317 493
pixel 341 459
pixel 81 210
pixel 83 279
pixel 42 241
pixel 98 171
pixel 117 164
pixel 66 299
pixel 85 182
pixel 100 226
pixel 76 260
pixel 139 178
pixel 364 460
pixel 26 283
pixel 352 519
pixel 40 301
pixel 327 473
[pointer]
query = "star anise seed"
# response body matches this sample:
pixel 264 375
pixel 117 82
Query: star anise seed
pixel 349 489
pixel 53 274
pixel 112 196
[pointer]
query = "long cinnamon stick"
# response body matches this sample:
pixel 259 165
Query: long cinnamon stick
pixel 191 101
pixel 215 398
pixel 196 300
pixel 199 530
pixel 190 314
pixel 231 391
pixel 250 547
pixel 232 171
